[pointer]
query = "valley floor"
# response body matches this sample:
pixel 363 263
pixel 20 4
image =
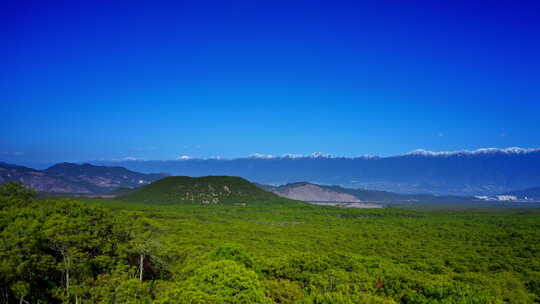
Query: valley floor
pixel 398 255
pixel 111 251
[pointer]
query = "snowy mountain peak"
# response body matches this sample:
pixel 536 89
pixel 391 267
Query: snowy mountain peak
pixel 320 155
pixel 261 156
pixel 312 155
pixel 511 150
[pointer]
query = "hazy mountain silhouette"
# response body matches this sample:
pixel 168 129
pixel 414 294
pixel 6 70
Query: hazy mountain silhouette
pixel 486 171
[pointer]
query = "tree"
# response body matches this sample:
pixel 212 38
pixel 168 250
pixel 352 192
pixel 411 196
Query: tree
pixel 80 237
pixel 223 282
pixel 144 243
pixel 15 194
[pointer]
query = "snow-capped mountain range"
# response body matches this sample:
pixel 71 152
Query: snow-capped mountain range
pixel 512 150
pixel 478 172
pixel 421 152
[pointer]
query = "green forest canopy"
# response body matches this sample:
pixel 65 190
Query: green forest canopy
pixel 106 251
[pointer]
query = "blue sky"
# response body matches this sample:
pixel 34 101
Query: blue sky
pixel 158 79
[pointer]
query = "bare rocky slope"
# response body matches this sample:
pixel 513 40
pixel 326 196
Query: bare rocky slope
pixel 312 193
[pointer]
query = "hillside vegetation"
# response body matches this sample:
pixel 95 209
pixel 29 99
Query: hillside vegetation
pixel 107 251
pixel 201 190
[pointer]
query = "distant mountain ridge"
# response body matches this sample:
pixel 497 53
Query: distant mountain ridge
pixel 485 151
pixel 102 176
pixel 39 180
pixel 526 194
pixel 478 172
pixel 75 178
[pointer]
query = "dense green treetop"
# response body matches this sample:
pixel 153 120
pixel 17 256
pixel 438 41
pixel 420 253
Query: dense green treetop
pixel 107 251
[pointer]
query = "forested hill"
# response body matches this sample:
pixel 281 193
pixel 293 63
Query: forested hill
pixel 201 190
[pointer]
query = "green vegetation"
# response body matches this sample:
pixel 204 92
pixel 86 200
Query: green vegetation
pixel 121 251
pixel 201 190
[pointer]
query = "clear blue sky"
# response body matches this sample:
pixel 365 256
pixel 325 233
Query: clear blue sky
pixel 158 79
